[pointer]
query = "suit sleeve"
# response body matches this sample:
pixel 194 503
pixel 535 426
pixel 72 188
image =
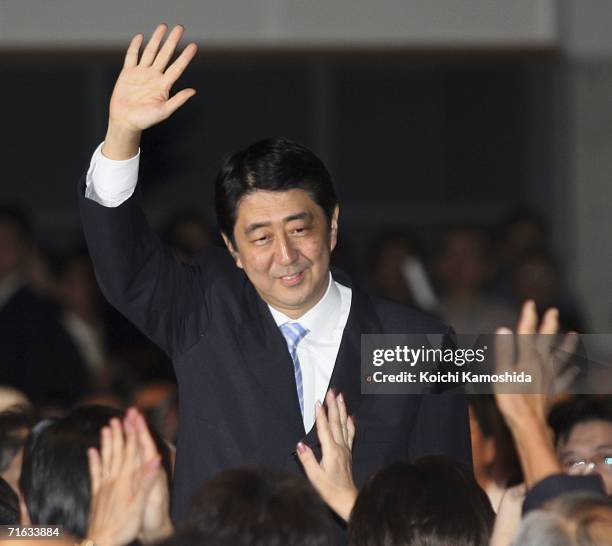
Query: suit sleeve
pixel 141 277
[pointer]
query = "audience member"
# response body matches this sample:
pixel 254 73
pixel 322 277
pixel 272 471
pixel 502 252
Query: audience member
pixel 496 463
pixel 431 501
pixel 537 276
pixel 24 315
pixel 9 505
pixel 11 398
pixel 398 274
pixel 257 506
pixel 55 479
pixel 583 436
pixel 464 270
pixel 576 519
pixel 187 233
pixel 15 426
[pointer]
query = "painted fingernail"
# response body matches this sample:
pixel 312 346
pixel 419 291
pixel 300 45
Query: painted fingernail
pixel 301 447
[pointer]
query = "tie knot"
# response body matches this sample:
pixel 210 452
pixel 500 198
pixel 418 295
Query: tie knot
pixel 293 333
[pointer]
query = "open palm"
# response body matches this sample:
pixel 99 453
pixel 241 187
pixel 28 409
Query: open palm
pixel 141 97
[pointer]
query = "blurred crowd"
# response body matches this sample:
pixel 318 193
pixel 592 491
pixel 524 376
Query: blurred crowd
pixel 63 344
pixel 89 412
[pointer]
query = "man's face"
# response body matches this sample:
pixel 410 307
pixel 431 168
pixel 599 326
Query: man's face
pixel 284 243
pixel 590 441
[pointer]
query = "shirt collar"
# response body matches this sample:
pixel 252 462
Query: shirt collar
pixel 322 318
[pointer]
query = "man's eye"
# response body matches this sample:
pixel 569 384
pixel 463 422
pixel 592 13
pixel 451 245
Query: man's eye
pixel 261 240
pixel 300 230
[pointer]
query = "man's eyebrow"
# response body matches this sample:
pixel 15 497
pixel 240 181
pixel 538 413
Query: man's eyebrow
pixel 298 216
pixel 255 226
pixel 291 218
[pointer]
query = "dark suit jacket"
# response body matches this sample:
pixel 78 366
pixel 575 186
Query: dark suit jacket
pixel 238 402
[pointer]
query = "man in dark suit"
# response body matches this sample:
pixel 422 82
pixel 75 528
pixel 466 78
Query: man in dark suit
pixel 259 334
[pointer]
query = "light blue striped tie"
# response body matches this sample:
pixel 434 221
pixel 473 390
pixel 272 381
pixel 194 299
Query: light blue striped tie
pixel 294 332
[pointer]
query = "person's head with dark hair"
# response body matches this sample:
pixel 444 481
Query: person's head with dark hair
pixel 573 519
pixel 496 462
pixel 15 236
pixel 583 435
pixel 55 479
pixel 188 233
pixel 258 506
pixel 433 501
pixel 464 265
pixel 278 214
pixel 9 505
pixel 15 426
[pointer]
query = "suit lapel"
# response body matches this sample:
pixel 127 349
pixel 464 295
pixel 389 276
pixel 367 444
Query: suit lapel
pixel 346 377
pixel 265 352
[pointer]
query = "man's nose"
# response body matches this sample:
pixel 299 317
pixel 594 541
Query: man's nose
pixel 285 252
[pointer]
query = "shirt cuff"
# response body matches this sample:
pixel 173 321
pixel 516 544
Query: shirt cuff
pixel 111 182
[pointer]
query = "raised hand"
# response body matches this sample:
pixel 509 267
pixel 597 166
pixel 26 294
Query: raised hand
pixel 333 476
pixel 141 97
pixel 526 413
pixel 536 355
pixel 156 522
pixel 121 480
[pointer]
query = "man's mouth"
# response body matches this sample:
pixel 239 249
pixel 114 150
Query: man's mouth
pixel 292 280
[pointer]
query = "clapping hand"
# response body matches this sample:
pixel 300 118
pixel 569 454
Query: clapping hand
pixel 122 476
pixel 332 477
pixel 141 97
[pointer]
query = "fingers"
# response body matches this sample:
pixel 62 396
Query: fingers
pixel 350 426
pixel 343 417
pixel 333 417
pixel 106 450
pixel 548 328
pixel 95 469
pixel 174 103
pixel 527 328
pixel 165 53
pixel 146 444
pixel 528 320
pixel 324 432
pixel 149 474
pixel 504 350
pixel 150 51
pixel 131 56
pixel 309 462
pixel 116 454
pixel 176 69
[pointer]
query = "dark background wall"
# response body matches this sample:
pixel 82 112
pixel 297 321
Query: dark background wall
pixel 413 140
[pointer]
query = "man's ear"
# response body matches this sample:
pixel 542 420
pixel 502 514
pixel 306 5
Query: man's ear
pixel 235 254
pixel 333 232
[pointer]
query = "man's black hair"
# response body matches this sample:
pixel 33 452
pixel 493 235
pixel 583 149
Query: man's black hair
pixel 55 474
pixel 431 501
pixel 273 164
pixel 579 409
pixel 259 506
pixel 9 504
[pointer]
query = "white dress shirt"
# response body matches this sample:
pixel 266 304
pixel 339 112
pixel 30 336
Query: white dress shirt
pixel 318 350
pixel 110 183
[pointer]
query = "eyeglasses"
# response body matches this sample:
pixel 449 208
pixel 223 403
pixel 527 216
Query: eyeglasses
pixel 601 462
